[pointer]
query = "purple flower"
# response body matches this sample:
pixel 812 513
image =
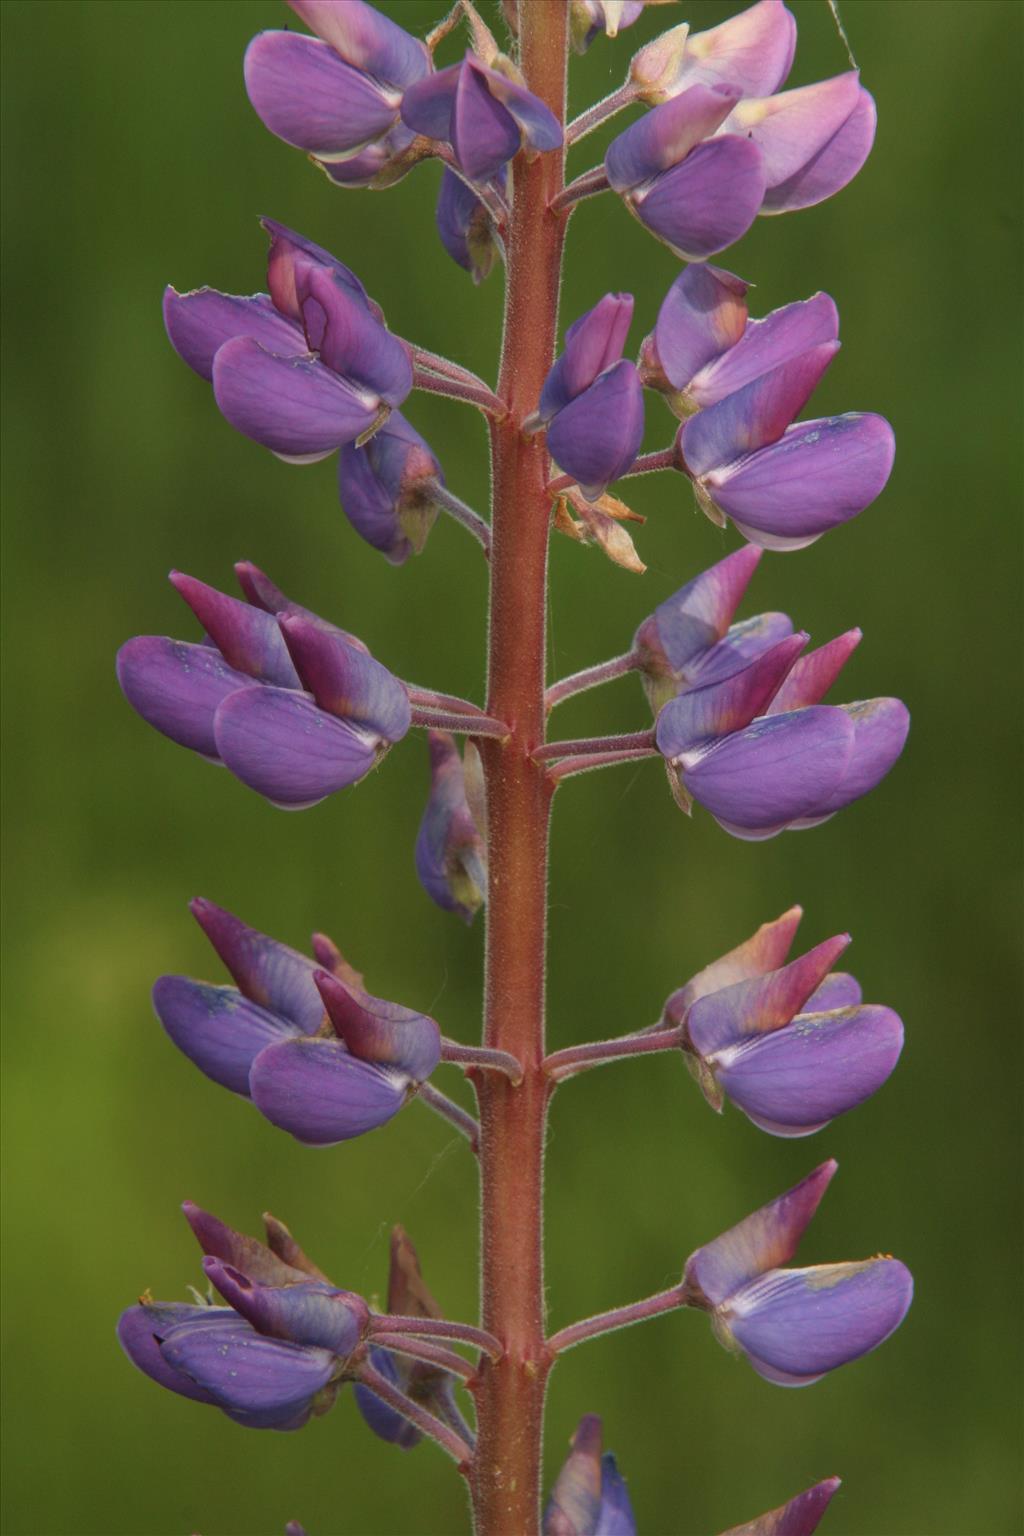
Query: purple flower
pixel 590 1497
pixel 792 1046
pixel 752 53
pixel 757 749
pixel 704 348
pixel 799 1517
pixel 315 1053
pixel 690 639
pixel 387 489
pixel 783 485
pixel 274 1355
pixel 592 400
pixel 337 95
pixel 294 707
pixel 697 169
pixel 451 853
pixel 408 1296
pixel 794 1325
pixel 466 227
pixel 589 17
pixel 300 371
pixel 486 116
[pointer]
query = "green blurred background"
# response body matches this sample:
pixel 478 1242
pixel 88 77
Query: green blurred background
pixel 133 159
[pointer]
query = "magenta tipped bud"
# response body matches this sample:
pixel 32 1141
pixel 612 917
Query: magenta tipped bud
pixel 590 1497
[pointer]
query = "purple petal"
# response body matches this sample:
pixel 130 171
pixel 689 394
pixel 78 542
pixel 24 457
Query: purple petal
pixel 243 1253
pixel 799 1517
pixel 752 52
pixel 796 1079
pixel 662 139
pixel 840 990
pixel 177 688
pixel 385 488
pixel 832 167
pixel 309 97
pixel 350 340
pixel 701 715
pixel 797 1324
pixel 370 164
pixel 761 1242
pixel 588 18
pixel 248 639
pixel 345 680
pixel 284 746
pixel 294 406
pixel 575 1503
pixel 779 337
pixel 320 1094
pixel 484 135
pixel 814 674
pixel 616 1515
pixel 272 975
pixel 687 625
pixel 217 1028
pixel 379 1416
pixel 198 324
pixel 269 1381
pixel 465 227
pixel 765 950
pixel 598 435
pixel 818 474
pixel 593 343
pixel 141 1326
pixel 450 855
pixel 309 1313
pixel 709 201
pixel 366 39
pixel 290 260
pixel 776 771
pixel 539 126
pixel 880 730
pixel 703 315
pixel 427 105
pixel 760 1004
pixel 381 1033
pixel 791 128
pixel 755 415
pixel 741 644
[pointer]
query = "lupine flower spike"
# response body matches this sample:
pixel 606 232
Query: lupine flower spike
pixel 794 1325
pixel 297 709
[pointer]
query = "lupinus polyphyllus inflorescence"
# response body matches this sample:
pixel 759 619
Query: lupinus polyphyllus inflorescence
pixel 298 708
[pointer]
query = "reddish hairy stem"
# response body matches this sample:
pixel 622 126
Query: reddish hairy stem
pixel 457 389
pixel 590 677
pixel 443 701
pixel 577 1058
pixel 442 1105
pixel 446 1438
pixel 436 1328
pixel 618 1317
pixel 567 767
pixel 587 746
pixel 506 1476
pixel 478 1058
pixel 588 185
pixel 458 720
pixel 422 1349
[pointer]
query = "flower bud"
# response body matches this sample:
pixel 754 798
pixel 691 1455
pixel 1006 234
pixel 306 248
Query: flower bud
pixel 451 853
